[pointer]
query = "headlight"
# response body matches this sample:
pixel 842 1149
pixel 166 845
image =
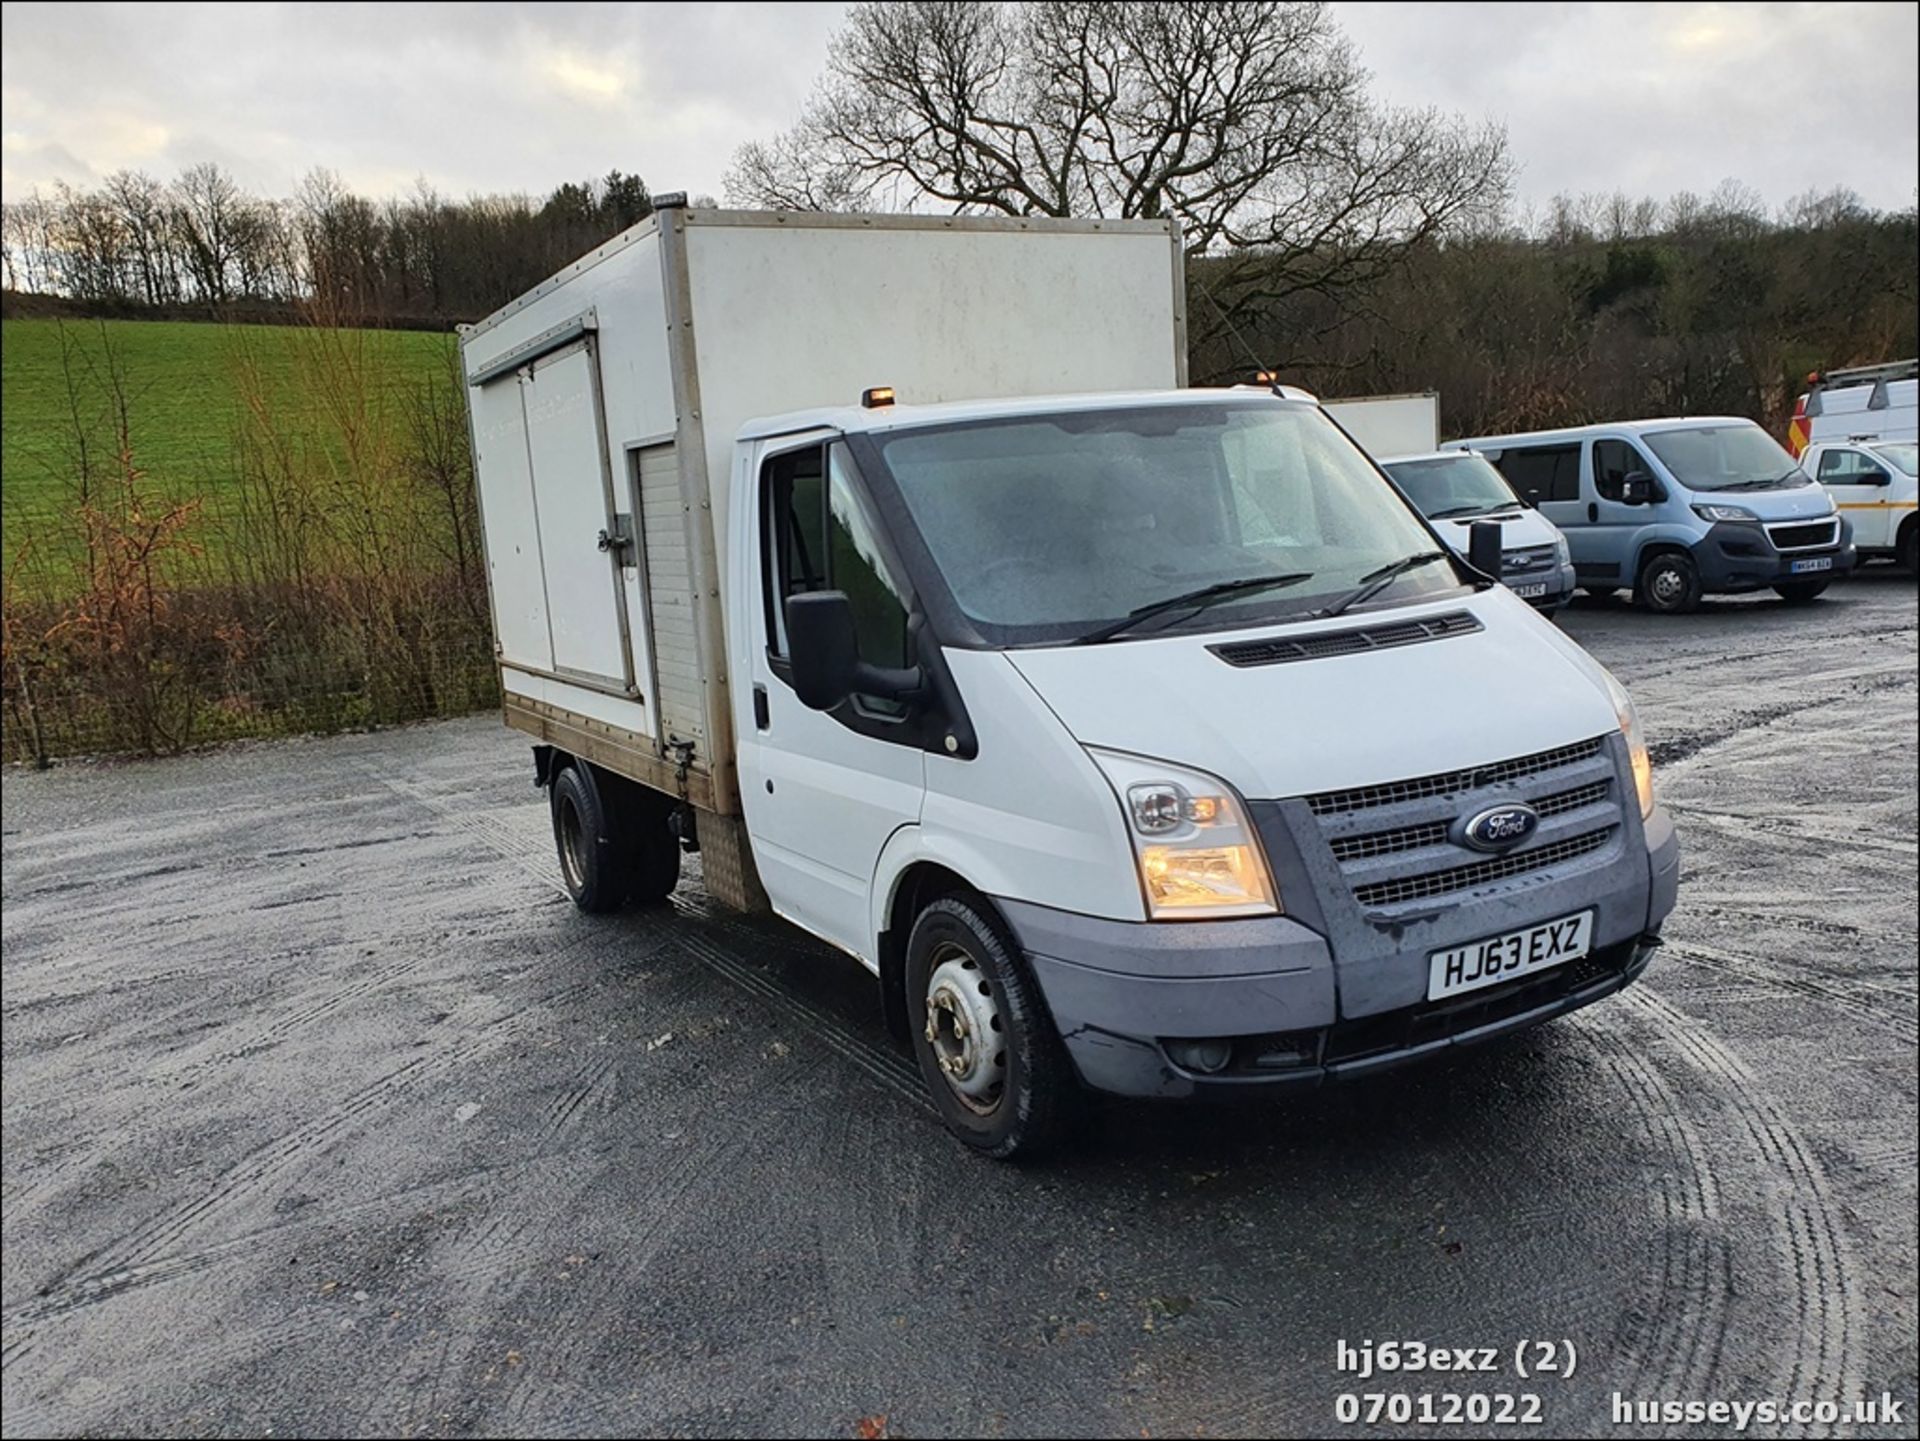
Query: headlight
pixel 1196 851
pixel 1637 756
pixel 1724 512
pixel 1560 551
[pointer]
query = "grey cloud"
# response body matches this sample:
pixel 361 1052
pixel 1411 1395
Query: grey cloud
pixel 1650 99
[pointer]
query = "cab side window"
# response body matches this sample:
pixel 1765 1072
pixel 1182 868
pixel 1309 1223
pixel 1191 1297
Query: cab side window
pixel 1542 472
pixel 818 535
pixel 1848 467
pixel 1613 462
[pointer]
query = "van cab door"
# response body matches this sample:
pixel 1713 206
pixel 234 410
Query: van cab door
pixel 1616 525
pixel 822 790
pixel 1862 486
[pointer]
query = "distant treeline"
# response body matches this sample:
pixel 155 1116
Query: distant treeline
pixel 1607 308
pixel 201 245
pixel 1600 307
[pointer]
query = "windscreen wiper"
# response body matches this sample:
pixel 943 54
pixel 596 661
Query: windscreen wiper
pixel 1195 598
pixel 1453 511
pixel 1373 582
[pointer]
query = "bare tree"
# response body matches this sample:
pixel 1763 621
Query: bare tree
pixel 141 203
pixel 1247 122
pixel 210 220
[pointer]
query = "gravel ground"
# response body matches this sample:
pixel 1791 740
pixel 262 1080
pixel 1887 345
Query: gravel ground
pixel 325 1113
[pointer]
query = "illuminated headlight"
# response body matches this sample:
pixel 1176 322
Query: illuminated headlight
pixel 1196 851
pixel 1723 512
pixel 1637 756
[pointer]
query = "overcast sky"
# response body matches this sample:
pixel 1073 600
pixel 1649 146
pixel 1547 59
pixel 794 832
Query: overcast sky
pixel 1647 99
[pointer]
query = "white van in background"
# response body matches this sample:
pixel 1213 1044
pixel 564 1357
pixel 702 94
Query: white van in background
pixel 1872 483
pixel 1867 402
pixel 1145 741
pixel 1457 490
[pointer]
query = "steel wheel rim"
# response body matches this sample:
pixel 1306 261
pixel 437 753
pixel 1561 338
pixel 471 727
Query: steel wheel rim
pixel 1668 584
pixel 965 1031
pixel 572 845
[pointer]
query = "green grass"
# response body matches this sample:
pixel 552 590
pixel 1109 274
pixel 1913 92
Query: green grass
pixel 184 398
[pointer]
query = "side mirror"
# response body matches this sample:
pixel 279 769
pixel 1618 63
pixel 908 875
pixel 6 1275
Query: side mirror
pixel 1876 476
pixel 1483 548
pixel 1637 488
pixel 825 655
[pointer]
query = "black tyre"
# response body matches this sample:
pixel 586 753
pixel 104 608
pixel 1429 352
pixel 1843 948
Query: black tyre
pixel 1669 584
pixel 1910 548
pixel 655 849
pixel 981 1033
pixel 596 860
pixel 1800 592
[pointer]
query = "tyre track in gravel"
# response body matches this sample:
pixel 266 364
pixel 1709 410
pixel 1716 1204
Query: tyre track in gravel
pixel 522 846
pixel 1885 1007
pixel 124 1262
pixel 562 1355
pixel 1674 750
pixel 1674 1341
pixel 1824 1353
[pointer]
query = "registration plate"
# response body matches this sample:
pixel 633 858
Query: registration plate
pixel 1502 958
pixel 1532 590
pixel 1818 562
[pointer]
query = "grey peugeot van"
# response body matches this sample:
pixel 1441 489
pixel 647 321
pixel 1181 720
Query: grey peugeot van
pixel 1678 509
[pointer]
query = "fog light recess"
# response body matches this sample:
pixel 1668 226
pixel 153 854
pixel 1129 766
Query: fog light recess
pixel 1207 1056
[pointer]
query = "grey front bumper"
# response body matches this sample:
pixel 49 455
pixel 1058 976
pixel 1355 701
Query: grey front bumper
pixel 1329 993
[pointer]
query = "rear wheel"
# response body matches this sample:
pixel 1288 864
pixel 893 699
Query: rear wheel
pixel 1799 592
pixel 655 848
pixel 1669 584
pixel 595 859
pixel 986 1046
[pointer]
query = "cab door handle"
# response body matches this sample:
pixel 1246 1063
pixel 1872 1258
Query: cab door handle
pixel 761 719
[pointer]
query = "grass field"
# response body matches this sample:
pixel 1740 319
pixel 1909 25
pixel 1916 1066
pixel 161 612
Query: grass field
pixel 185 395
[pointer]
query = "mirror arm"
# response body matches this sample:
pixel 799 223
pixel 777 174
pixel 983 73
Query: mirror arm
pixel 887 683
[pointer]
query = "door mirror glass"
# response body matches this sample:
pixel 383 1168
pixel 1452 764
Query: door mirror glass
pixel 821 648
pixel 824 654
pixel 1637 488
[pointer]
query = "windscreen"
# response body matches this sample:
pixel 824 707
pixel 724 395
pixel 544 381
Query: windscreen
pixel 1902 453
pixel 1045 526
pixel 1725 457
pixel 1452 487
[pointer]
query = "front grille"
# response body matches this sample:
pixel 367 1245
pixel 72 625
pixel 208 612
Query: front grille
pixel 1533 558
pixel 1333 803
pixel 1279 650
pixel 1402 889
pixel 1434 833
pixel 1574 799
pixel 1385 843
pixel 1805 537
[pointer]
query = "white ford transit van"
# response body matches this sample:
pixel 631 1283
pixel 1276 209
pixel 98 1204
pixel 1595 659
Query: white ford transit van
pixel 1457 490
pixel 1143 740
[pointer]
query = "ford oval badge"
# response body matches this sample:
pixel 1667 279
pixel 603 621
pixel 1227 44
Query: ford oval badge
pixel 1500 828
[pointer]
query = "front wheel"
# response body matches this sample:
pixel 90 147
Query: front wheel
pixel 1799 592
pixel 1669 584
pixel 986 1046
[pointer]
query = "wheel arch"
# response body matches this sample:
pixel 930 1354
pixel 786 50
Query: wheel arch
pixel 1656 544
